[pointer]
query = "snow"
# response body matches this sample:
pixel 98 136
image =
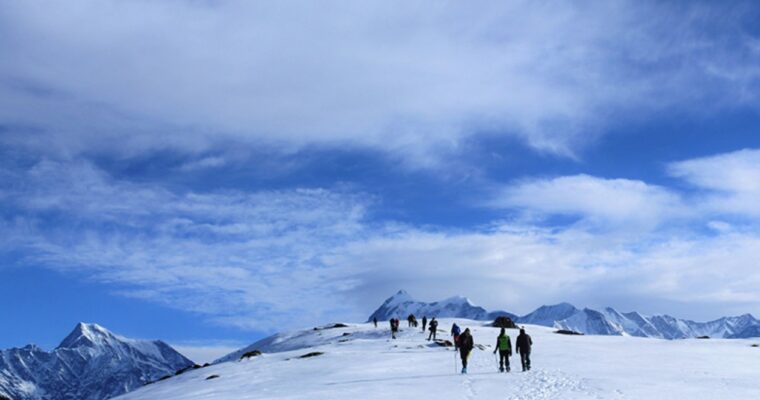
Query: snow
pixel 566 316
pixel 401 304
pixel 361 362
pixel 90 363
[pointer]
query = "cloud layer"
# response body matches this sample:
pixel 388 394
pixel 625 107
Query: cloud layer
pixel 294 257
pixel 410 78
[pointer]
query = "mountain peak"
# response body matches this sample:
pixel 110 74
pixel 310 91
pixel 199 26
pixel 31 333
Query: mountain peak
pixel 457 300
pixel 400 297
pixel 85 334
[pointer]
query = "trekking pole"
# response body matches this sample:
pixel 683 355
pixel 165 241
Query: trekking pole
pixel 455 361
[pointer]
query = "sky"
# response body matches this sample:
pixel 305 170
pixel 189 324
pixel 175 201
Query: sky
pixel 209 172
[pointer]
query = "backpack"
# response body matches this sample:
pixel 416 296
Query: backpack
pixel 504 343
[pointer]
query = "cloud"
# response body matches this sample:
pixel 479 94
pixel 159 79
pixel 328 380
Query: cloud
pixel 246 259
pixel 414 79
pixel 729 183
pixel 603 202
pixel 203 163
pixel 269 260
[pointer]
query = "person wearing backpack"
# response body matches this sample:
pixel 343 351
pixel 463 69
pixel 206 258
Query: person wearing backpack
pixel 455 331
pixel 465 345
pixel 394 327
pixel 424 323
pixel 504 347
pixel 433 329
pixel 523 345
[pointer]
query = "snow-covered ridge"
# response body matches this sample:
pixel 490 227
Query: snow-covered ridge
pixel 359 361
pixel 566 316
pixel 91 363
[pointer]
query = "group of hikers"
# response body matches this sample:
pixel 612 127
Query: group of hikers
pixel 463 342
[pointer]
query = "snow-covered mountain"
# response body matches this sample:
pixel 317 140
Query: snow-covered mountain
pixel 359 361
pixel 548 315
pixel 608 321
pixel 401 304
pixel 91 363
pixel 611 322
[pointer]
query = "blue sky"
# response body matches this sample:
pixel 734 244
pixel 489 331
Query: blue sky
pixel 209 172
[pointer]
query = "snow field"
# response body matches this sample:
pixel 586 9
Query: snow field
pixel 369 365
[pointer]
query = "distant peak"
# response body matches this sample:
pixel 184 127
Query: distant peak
pixel 458 300
pixel 563 305
pixel 401 295
pixel 85 334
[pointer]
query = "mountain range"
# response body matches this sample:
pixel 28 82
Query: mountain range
pixel 91 363
pixel 607 321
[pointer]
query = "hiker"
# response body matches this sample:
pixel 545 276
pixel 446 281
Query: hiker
pixel 394 327
pixel 504 347
pixel 523 345
pixel 465 345
pixel 455 331
pixel 424 323
pixel 374 321
pixel 433 329
pixel 410 320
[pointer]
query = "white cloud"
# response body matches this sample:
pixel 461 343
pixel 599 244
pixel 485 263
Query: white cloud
pixel 409 78
pixel 619 202
pixel 248 259
pixel 275 259
pixel 730 182
pixel 203 163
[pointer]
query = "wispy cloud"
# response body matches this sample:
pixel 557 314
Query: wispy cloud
pixel 414 79
pixel 266 259
pixel 729 183
pixel 623 202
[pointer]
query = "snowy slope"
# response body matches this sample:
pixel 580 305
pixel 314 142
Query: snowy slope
pixel 91 363
pixel 590 321
pixel 361 362
pixel 401 305
pixel 548 315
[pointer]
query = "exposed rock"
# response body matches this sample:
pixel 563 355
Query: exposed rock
pixel 444 343
pixel 250 354
pixel 504 322
pixel 331 326
pixel 568 332
pixel 312 354
pixel 212 377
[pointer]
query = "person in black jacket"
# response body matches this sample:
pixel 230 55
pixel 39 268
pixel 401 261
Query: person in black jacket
pixel 433 328
pixel 465 344
pixel 523 346
pixel 424 323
